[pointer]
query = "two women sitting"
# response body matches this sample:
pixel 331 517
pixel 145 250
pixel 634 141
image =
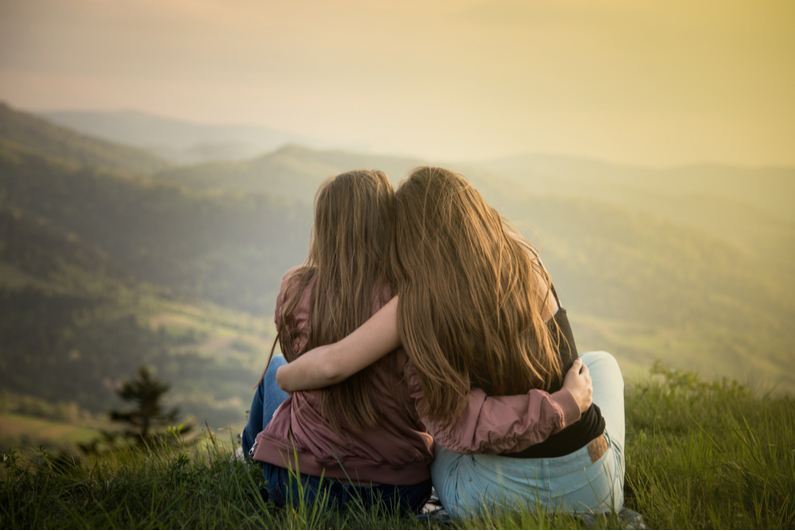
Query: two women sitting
pixel 424 343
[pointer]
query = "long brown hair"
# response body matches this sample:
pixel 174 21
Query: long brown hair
pixel 469 312
pixel 346 271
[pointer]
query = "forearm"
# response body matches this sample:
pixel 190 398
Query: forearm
pixel 495 425
pixel 306 372
pixel 499 424
pixel 330 364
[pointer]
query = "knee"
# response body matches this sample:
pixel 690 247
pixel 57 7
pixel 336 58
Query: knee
pixel 603 363
pixel 599 357
pixel 276 362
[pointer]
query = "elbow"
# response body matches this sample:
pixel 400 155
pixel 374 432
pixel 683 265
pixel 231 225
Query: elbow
pixel 330 372
pixel 282 380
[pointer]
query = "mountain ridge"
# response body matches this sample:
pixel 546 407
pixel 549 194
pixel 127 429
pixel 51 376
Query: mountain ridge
pixel 178 140
pixel 292 171
pixel 769 187
pixel 48 139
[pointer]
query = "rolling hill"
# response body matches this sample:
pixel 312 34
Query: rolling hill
pixel 102 271
pixel 292 171
pixel 768 188
pixel 227 248
pixel 34 134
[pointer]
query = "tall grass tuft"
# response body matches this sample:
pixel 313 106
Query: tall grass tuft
pixel 699 455
pixel 709 455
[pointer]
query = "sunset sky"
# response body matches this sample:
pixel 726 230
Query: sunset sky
pixel 631 81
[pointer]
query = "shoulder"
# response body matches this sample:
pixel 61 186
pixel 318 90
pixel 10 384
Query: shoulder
pixel 292 281
pixel 542 282
pixel 292 274
pixel 294 277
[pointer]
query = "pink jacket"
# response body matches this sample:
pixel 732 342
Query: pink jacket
pixel 399 449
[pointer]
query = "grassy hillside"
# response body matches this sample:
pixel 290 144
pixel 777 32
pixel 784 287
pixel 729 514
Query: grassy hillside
pixel 27 421
pixel 40 136
pixel 72 328
pixel 687 468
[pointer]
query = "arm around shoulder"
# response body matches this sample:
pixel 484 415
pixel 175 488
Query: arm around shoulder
pixel 330 364
pixel 501 424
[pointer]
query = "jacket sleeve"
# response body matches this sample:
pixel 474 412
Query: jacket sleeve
pixel 499 424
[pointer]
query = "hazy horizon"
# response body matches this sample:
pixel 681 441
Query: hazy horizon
pixel 330 146
pixel 614 80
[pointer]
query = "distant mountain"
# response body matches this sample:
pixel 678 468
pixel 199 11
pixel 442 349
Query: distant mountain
pixel 292 171
pixel 206 152
pixel 43 137
pixel 750 208
pixel 771 188
pixel 179 141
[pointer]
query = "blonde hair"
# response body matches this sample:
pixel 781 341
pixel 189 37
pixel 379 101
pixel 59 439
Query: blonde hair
pixel 469 311
pixel 347 264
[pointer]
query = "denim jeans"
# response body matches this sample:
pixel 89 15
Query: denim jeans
pixel 283 485
pixel 571 483
pixel 267 399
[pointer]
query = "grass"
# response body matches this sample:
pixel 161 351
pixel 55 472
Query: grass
pixel 21 426
pixel 710 455
pixel 699 455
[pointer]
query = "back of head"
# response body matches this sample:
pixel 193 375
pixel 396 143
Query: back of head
pixel 346 262
pixel 469 311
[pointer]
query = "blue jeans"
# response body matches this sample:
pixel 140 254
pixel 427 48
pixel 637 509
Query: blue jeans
pixel 571 483
pixel 283 485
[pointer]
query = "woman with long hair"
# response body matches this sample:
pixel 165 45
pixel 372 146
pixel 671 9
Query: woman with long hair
pixel 360 436
pixel 477 309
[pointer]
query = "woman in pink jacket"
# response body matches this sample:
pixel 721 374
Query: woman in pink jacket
pixel 363 442
pixel 363 435
pixel 477 310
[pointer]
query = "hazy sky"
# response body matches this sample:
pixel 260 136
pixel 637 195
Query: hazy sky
pixel 640 81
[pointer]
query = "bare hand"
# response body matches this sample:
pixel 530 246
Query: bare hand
pixel 578 382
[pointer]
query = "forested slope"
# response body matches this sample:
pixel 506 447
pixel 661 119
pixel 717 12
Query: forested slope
pixel 101 272
pixel 227 248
